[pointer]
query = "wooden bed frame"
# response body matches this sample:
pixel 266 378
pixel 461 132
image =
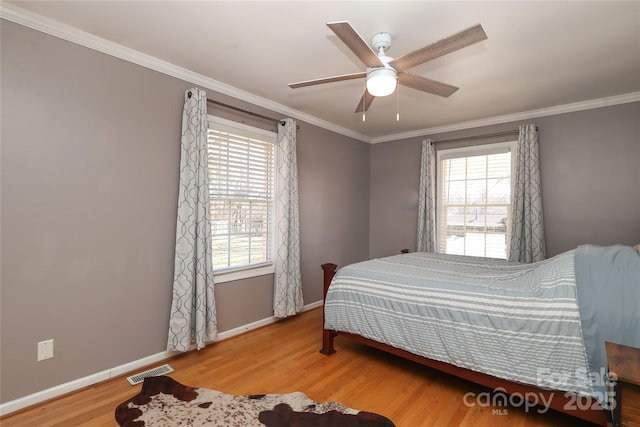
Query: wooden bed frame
pixel 588 408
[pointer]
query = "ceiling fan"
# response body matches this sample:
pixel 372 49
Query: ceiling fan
pixel 383 72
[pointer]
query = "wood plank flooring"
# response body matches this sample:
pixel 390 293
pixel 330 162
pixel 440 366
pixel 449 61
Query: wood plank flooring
pixel 282 358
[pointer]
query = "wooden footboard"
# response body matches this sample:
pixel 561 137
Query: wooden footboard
pixel 584 408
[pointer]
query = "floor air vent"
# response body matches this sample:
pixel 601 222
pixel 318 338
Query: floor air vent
pixel 160 370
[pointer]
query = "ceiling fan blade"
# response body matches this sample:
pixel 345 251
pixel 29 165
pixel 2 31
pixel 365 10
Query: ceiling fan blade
pixel 439 48
pixel 328 80
pixel 365 102
pixel 352 39
pixel 426 85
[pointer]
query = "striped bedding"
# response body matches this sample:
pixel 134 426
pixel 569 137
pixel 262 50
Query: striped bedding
pixel 519 322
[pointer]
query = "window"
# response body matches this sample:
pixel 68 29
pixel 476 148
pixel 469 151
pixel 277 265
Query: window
pixel 241 190
pixel 474 196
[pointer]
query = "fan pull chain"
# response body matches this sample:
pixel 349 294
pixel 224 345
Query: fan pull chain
pixel 398 103
pixel 364 95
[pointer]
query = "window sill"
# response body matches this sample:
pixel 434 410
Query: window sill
pixel 231 275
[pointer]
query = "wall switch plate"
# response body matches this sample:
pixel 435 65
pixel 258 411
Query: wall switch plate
pixel 45 350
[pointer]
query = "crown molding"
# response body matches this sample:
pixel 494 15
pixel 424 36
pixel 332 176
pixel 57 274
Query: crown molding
pixel 525 115
pixel 57 29
pixel 54 28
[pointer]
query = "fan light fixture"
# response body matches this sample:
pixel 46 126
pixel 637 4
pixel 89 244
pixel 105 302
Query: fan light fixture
pixel 381 81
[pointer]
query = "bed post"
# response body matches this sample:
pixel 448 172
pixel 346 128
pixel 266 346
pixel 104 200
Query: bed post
pixel 327 335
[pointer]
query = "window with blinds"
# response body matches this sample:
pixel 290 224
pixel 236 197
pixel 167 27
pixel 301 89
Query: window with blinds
pixel 474 196
pixel 241 189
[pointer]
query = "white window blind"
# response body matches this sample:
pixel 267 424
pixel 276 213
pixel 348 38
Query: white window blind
pixel 474 196
pixel 241 188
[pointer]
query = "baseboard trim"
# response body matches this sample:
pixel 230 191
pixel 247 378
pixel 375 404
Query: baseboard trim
pixel 259 323
pixel 71 386
pixel 62 389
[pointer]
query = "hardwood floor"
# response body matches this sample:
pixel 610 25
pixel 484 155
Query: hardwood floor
pixel 282 358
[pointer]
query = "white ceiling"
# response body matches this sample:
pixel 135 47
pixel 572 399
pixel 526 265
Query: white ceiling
pixel 539 54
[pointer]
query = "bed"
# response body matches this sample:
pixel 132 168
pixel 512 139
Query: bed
pixel 536 330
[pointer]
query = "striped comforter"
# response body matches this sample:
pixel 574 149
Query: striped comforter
pixel 519 322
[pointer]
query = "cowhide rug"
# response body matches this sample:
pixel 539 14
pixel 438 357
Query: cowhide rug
pixel 165 402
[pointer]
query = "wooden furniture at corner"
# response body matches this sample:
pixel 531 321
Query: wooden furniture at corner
pixel 589 409
pixel 624 362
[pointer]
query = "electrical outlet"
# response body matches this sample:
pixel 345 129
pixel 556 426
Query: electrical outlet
pixel 45 350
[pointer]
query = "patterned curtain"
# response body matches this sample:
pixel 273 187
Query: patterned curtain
pixel 527 226
pixel 193 312
pixel 287 293
pixel 427 199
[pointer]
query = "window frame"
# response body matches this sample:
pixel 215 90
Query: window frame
pixel 239 272
pixel 471 151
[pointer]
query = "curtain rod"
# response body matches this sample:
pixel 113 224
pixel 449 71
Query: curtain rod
pixel 489 135
pixel 251 113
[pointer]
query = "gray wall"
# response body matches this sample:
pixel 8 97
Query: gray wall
pixel 89 179
pixel 590 166
pixel 395 180
pixel 590 174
